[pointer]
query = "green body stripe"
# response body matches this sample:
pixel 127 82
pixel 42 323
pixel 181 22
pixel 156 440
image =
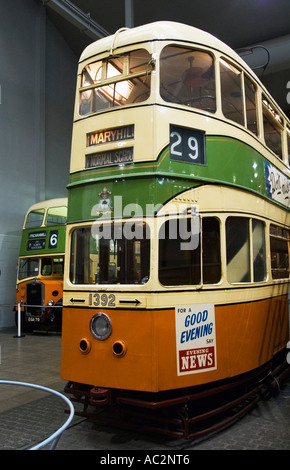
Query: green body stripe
pixel 228 161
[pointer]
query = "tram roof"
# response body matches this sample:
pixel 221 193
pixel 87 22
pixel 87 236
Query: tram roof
pixel 56 202
pixel 166 31
pixel 158 31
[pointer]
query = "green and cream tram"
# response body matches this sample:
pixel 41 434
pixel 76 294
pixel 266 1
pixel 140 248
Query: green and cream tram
pixel 177 255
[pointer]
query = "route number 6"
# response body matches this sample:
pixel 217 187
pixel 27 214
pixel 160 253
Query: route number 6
pixel 53 238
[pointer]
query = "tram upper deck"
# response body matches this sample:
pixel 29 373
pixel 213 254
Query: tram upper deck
pixel 44 228
pixel 170 101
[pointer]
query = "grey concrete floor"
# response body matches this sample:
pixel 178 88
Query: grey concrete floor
pixel 27 416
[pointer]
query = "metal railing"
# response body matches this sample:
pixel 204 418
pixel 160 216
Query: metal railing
pixel 53 438
pixel 21 304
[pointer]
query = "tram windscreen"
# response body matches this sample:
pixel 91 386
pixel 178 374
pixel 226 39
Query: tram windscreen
pixel 110 254
pixel 116 81
pixel 34 218
pixel 28 267
pixel 56 215
pixel 187 77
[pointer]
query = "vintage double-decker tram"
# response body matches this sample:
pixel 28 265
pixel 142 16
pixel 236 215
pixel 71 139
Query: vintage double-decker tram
pixel 177 255
pixel 39 285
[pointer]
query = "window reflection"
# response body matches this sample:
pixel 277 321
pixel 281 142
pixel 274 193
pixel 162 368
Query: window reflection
pixel 251 105
pixel 245 242
pixel 114 82
pixel 187 77
pixel 288 141
pixel 279 244
pixel 231 87
pixel 110 254
pixel 182 264
pixel 28 267
pixel 272 128
pixel 34 218
pixel 56 215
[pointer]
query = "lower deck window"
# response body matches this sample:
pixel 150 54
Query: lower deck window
pixel 184 261
pixel 110 254
pixel 245 242
pixel 52 266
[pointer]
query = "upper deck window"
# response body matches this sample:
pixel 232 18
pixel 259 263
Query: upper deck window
pixel 187 77
pixel 273 127
pixel 56 215
pixel 232 95
pixel 288 140
pixel 34 218
pixel 251 105
pixel 115 81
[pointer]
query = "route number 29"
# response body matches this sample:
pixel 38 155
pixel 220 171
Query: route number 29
pixel 187 145
pixel 192 145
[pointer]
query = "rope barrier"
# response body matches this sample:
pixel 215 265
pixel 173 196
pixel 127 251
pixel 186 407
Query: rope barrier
pixel 21 304
pixel 54 438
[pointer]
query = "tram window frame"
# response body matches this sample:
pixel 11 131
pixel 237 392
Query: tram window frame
pixel 288 142
pixel 31 266
pixel 251 100
pixel 238 249
pixel 245 250
pixel 232 92
pixel 56 216
pixel 109 89
pixel 58 266
pixel 179 262
pixel 185 81
pixel 51 266
pixel 259 264
pixel 35 218
pixel 113 253
pixel 272 128
pixel 279 250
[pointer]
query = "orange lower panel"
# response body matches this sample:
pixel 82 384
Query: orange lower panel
pixel 100 366
pixel 50 285
pixel 237 338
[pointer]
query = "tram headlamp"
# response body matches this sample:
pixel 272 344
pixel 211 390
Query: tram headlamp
pixel 100 326
pixel 50 303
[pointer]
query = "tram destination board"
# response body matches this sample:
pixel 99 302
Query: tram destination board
pixel 110 158
pixel 187 145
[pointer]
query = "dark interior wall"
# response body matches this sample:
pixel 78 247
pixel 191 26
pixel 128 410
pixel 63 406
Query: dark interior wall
pixel 36 108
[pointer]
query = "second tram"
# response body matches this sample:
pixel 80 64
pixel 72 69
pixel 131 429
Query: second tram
pixel 177 255
pixel 40 268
